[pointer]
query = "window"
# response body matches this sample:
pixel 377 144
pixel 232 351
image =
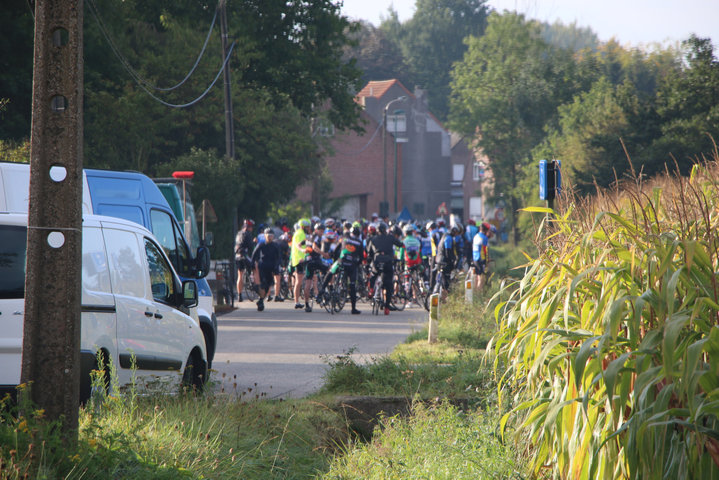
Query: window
pixel 168 234
pixel 325 128
pixel 397 123
pixel 161 277
pixel 127 271
pixel 478 171
pixel 457 172
pixel 12 261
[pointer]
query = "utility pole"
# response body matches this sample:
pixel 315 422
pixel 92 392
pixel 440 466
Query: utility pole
pixel 229 122
pixel 51 339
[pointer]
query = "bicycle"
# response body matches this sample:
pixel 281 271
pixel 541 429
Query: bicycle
pixel 225 282
pixel 250 291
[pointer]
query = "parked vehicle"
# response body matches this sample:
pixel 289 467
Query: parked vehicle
pixel 132 196
pixel 136 312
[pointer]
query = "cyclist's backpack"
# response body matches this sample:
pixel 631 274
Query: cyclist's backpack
pixel 412 257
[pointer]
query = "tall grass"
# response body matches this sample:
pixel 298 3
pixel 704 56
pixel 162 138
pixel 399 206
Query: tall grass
pixel 608 349
pixel 438 442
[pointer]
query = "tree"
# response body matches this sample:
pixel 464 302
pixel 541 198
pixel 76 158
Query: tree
pixel 16 57
pixel 376 55
pixel 688 105
pixel 433 39
pixel 503 95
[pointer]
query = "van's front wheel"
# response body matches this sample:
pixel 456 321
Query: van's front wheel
pixel 195 374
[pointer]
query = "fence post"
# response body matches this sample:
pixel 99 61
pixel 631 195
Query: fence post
pixel 468 287
pixel 433 317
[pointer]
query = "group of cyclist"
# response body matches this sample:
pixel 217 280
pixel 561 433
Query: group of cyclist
pixel 316 249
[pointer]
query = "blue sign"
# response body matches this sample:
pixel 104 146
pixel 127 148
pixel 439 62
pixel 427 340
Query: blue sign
pixel 550 179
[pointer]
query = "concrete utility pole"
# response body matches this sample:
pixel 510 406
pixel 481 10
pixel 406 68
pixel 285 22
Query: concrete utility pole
pixel 51 342
pixel 229 121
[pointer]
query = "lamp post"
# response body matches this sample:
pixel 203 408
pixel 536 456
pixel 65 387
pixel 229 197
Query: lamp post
pixel 396 141
pixel 384 144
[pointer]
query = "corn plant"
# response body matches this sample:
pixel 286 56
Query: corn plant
pixel 608 348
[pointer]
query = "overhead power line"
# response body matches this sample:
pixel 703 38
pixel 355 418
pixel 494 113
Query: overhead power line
pixel 369 142
pixel 146 85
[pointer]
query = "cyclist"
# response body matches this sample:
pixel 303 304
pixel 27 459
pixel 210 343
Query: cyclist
pixel 297 257
pixel 469 233
pixel 351 255
pixel 412 248
pixel 313 260
pixel 380 251
pixel 447 255
pixel 480 253
pixel 244 245
pixel 266 261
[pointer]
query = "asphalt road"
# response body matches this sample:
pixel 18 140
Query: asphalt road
pixel 281 352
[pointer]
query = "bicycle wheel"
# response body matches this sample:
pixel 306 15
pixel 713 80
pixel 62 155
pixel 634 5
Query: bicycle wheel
pixel 399 297
pixel 339 295
pixel 377 303
pixel 326 299
pixel 249 290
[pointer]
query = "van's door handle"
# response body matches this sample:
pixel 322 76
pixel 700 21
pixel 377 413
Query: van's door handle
pixel 157 315
pixel 148 314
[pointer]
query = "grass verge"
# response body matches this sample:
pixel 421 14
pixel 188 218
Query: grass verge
pixel 169 436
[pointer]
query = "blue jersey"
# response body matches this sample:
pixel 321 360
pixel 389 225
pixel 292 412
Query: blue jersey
pixel 480 246
pixel 426 249
pixel 470 232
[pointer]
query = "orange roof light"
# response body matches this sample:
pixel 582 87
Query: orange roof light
pixel 183 175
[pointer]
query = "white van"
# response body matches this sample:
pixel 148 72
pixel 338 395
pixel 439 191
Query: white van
pixel 135 309
pixel 135 197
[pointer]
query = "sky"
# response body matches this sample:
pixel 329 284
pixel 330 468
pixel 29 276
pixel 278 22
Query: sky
pixel 631 22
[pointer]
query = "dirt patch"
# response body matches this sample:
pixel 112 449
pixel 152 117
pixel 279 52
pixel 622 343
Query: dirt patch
pixel 363 412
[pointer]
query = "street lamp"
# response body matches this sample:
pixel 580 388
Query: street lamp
pixel 384 144
pixel 397 140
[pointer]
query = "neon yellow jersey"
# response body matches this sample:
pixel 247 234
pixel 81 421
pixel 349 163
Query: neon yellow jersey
pixel 297 254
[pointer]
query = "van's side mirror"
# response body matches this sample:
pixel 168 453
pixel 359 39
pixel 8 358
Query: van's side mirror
pixel 209 239
pixel 202 262
pixel 189 294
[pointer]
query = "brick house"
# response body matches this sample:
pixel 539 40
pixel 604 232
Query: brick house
pixel 354 164
pixel 409 167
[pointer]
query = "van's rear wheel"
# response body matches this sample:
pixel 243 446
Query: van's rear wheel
pixel 195 373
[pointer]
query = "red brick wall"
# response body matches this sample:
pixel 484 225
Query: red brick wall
pixel 356 167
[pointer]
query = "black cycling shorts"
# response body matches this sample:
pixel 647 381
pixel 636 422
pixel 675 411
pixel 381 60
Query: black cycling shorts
pixel 480 267
pixel 314 266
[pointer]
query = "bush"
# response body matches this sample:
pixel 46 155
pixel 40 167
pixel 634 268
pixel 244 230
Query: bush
pixel 611 345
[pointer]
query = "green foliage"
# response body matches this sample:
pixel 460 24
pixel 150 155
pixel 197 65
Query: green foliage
pixel 438 441
pixel 18 152
pixel 432 40
pixel 606 351
pixel 161 436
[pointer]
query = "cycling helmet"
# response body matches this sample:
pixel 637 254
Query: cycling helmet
pixel 304 222
pixel 431 226
pixel 382 227
pixel 347 225
pixel 396 230
pixel 330 223
pixel 269 231
pixel 315 219
pixel 471 222
pixel 440 222
pixel 486 226
pixel 409 229
pixel 356 225
pixel 457 228
pixel 330 235
pixel 248 223
pixel 372 229
pixel 319 226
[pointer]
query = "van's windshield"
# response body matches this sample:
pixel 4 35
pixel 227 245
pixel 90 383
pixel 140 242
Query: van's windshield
pixel 12 261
